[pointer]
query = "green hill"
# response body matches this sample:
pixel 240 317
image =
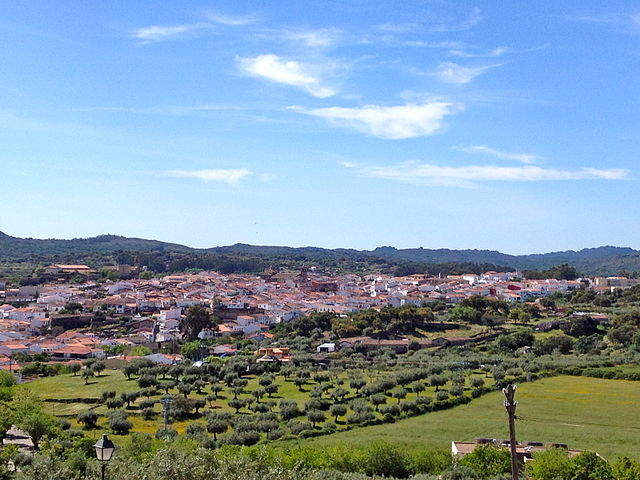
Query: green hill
pixel 605 260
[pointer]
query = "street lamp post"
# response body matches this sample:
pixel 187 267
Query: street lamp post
pixel 104 449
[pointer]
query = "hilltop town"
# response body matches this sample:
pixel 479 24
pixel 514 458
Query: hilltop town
pixel 35 318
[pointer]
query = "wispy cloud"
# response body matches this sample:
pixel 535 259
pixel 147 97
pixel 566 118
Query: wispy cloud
pixel 628 22
pixel 155 33
pixel 450 72
pixel 230 176
pixel 271 67
pixel 472 176
pixel 518 157
pixel 496 52
pixel 232 20
pixel 398 27
pixel 474 18
pixel 396 122
pixel 325 37
pixel 161 32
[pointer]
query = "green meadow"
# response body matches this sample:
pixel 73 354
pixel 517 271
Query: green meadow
pixel 586 413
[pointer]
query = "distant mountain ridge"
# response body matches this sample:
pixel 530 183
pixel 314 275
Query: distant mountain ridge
pixel 603 260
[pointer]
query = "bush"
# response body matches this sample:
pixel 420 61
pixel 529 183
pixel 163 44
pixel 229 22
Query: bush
pixel 488 461
pixel 166 434
pixel 89 419
pixel 148 414
pixel 118 422
pixel 442 395
pixel 382 458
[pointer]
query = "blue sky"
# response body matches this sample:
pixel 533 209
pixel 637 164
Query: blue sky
pixel 443 124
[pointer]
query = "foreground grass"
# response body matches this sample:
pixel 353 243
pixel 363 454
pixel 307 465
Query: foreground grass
pixel 585 413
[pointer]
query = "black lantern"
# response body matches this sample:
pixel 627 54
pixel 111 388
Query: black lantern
pixel 104 449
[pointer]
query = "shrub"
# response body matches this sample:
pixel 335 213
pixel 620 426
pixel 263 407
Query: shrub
pixel 166 434
pixel 118 422
pixel 442 395
pixel 89 419
pixel 148 414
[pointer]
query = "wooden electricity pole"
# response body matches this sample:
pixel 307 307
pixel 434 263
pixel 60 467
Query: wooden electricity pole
pixel 510 404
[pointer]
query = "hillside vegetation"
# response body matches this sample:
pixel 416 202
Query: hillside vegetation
pixel 166 257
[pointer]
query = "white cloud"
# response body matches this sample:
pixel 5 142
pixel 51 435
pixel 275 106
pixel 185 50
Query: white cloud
pixel 231 176
pixel 496 52
pixel 518 157
pixel 303 76
pixel 450 72
pixel 160 32
pixel 397 122
pixel 471 176
pixel 398 27
pixel 315 38
pixel 223 19
pixel 474 18
pixel 628 22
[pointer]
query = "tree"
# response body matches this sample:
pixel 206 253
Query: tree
pixel 340 393
pixel 337 410
pixel 217 425
pixel 129 397
pixel 316 416
pixel 140 351
pixel 580 326
pixel 237 403
pixel 271 389
pixel 130 369
pixel 488 461
pixel 357 383
pixel 87 373
pixel 378 399
pixel 197 319
pixel 185 389
pixel 417 388
pixel 74 368
pixel 198 404
pixel 216 388
pixel 191 350
pixel 146 381
pixel 626 469
pixel 590 466
pixel 89 419
pixel 258 393
pixel 399 393
pixel 37 424
pixel 477 382
pixel 437 381
pixel 299 381
pixel 114 403
pixel 547 345
pixel 98 367
pixel 118 422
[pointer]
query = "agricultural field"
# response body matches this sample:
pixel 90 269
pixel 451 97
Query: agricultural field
pixel 586 413
pixel 295 401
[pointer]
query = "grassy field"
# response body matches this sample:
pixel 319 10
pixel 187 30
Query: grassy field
pixel 70 386
pixel 586 413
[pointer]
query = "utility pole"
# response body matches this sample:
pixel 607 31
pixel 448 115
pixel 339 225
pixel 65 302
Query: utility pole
pixel 510 404
pixel 165 410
